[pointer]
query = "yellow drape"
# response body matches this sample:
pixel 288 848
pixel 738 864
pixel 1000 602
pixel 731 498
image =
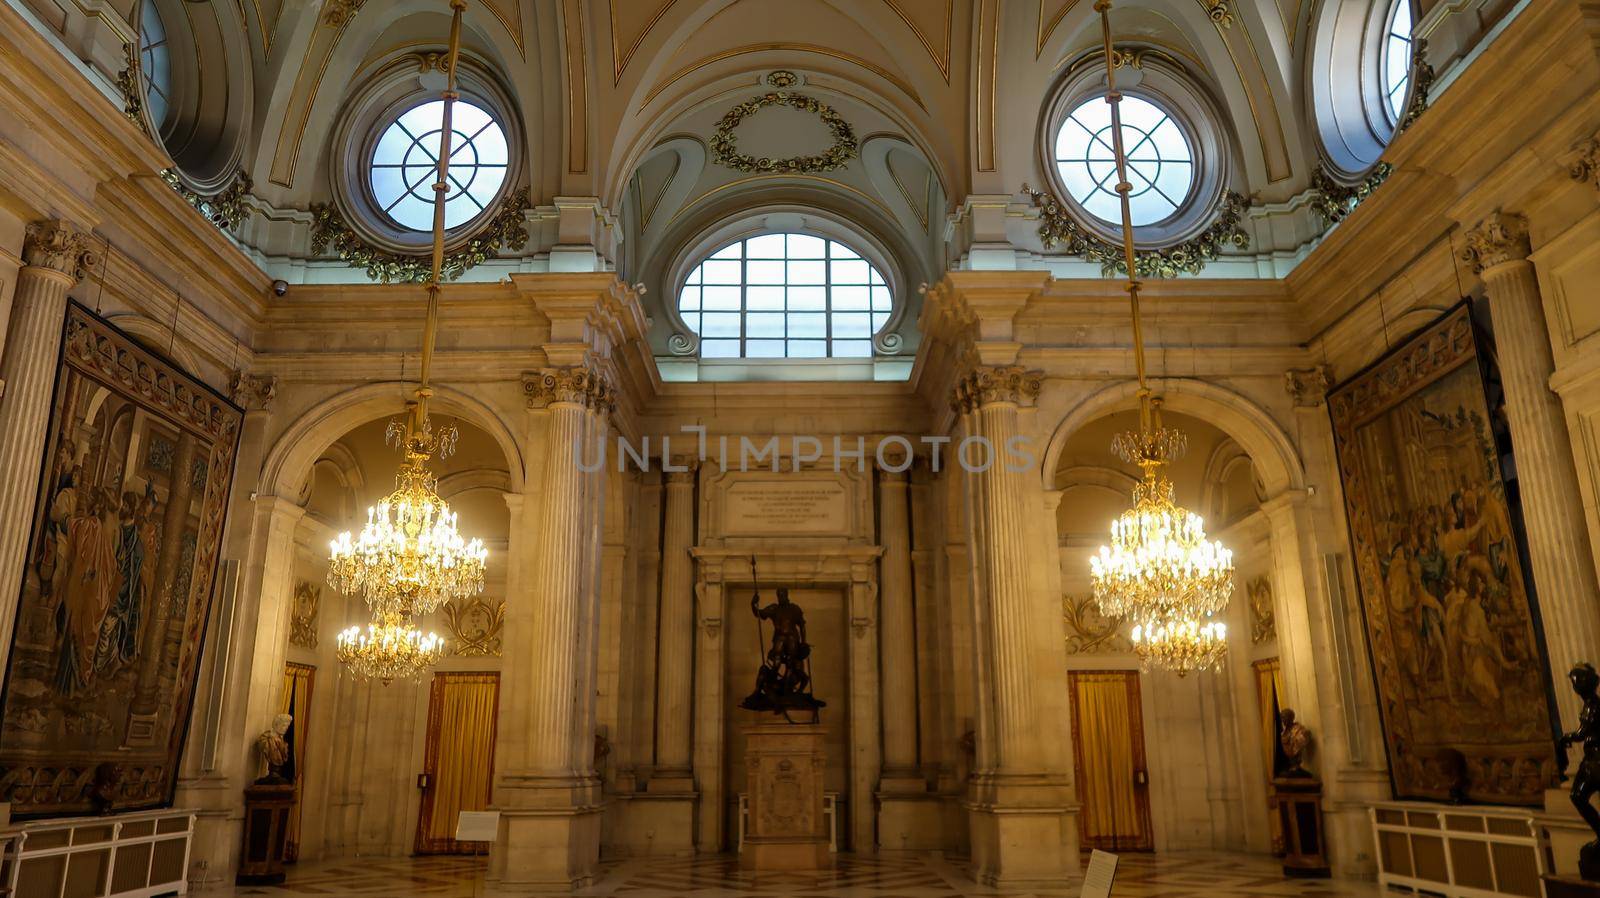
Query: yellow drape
pixel 1103 725
pixel 1269 693
pixel 463 718
pixel 297 681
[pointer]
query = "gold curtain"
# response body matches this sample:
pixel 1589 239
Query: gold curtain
pixel 1269 697
pixel 1109 751
pixel 462 712
pixel 297 681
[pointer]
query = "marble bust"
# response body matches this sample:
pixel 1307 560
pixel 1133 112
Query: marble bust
pixel 274 750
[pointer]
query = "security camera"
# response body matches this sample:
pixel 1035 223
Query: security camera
pixel 280 287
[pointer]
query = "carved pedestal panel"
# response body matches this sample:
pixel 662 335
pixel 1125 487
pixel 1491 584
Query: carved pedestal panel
pixel 786 764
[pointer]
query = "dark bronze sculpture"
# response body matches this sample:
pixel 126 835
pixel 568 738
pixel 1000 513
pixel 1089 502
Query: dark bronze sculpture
pixel 1293 739
pixel 783 683
pixel 1587 780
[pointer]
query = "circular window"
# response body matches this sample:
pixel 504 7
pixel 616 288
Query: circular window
pixel 1397 58
pixel 406 158
pixel 155 64
pixel 785 295
pixel 1160 160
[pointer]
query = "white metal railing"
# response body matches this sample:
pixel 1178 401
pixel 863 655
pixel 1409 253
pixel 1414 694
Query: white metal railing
pixel 1459 851
pixel 830 804
pixel 143 854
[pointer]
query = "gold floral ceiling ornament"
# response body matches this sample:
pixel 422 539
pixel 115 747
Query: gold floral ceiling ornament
pixel 476 626
pixel 725 147
pixel 507 230
pixel 411 558
pixel 1058 230
pixel 1159 572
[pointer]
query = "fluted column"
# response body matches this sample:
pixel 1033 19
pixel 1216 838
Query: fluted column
pixel 898 632
pixel 1558 544
pixel 55 256
pixel 550 800
pixel 675 650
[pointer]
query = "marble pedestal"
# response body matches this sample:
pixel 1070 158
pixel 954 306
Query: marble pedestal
pixel 786 830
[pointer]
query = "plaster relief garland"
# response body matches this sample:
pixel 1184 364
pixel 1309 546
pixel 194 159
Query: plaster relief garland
pixel 226 208
pixel 506 231
pixel 1058 229
pixel 725 147
pixel 1333 202
pixel 1422 76
pixel 128 85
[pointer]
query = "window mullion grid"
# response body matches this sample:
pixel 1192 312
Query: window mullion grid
pixel 744 299
pixel 827 297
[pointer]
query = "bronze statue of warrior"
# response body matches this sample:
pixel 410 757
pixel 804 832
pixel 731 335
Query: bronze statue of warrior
pixel 783 682
pixel 1587 780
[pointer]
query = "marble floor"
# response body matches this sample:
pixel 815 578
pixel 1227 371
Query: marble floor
pixel 913 875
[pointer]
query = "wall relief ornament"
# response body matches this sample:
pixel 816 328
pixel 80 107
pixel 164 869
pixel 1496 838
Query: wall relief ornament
pixel 1090 631
pixel 725 147
pixel 1333 202
pixel 303 614
pixel 985 385
pixel 226 208
pixel 477 626
pixel 1263 621
pixel 1057 229
pixel 1498 239
pixel 252 391
pixel 507 230
pixel 573 384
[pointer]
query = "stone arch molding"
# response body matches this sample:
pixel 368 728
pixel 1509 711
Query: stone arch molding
pixel 1251 426
pixel 308 437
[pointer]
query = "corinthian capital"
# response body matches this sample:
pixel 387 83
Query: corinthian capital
pixel 986 385
pixel 1498 239
pixel 1585 164
pixel 1308 386
pixel 60 247
pixel 572 385
pixel 253 391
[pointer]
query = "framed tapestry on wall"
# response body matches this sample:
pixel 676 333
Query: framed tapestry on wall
pixel 1451 622
pixel 117 585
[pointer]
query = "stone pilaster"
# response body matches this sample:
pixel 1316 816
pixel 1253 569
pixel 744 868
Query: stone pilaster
pixel 1558 544
pixel 675 651
pixel 866 697
pixel 710 659
pixel 551 800
pixel 55 257
pixel 1017 804
pixel 898 633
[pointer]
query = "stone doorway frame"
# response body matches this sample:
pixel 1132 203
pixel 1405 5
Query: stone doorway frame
pixel 831 565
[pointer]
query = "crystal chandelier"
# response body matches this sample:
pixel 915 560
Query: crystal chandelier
pixel 1160 572
pixel 410 557
pixel 389 649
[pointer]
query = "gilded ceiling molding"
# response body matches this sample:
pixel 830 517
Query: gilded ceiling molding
pixel 226 208
pixel 725 148
pixel 132 93
pixel 1057 229
pixel 336 13
pixel 902 85
pixel 1219 11
pixel 940 57
pixel 507 230
pixel 988 73
pixel 1046 28
pixel 1333 202
pixel 1422 76
pixel 578 83
pixel 621 57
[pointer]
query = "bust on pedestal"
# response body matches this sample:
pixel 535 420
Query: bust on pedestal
pixel 1297 795
pixel 786 762
pixel 267 803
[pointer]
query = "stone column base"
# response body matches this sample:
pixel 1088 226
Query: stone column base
pixel 1022 829
pixel 655 824
pixel 549 832
pixel 910 818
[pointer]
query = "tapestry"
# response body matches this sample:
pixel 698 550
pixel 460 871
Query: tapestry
pixel 117 586
pixel 1450 617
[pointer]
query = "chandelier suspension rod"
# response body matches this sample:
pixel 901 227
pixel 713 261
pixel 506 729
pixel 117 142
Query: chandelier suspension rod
pixel 1124 187
pixel 430 325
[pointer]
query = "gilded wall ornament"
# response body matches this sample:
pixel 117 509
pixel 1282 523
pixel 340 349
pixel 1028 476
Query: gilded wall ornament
pixel 303 615
pixel 1057 229
pixel 1090 631
pixel 226 208
pixel 725 147
pixel 335 13
pixel 507 230
pixel 782 78
pixel 1333 202
pixel 1422 76
pixel 128 84
pixel 1263 623
pixel 477 626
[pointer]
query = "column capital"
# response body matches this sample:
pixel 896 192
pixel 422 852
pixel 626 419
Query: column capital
pixel 252 392
pixel 583 385
pixel 690 467
pixel 1585 162
pixel 1308 386
pixel 60 247
pixel 1498 239
pixel 983 385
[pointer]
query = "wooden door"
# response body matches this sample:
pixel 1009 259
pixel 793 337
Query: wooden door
pixel 458 764
pixel 1108 750
pixel 297 682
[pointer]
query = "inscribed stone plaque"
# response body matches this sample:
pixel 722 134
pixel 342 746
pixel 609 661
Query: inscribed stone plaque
pixel 786 507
